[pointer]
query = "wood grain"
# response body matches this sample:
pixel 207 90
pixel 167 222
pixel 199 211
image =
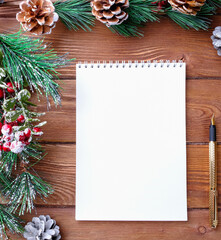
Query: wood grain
pixel 196 228
pixel 201 104
pixel 58 168
pixel 61 120
pixel 100 44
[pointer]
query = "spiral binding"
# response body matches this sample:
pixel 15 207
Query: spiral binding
pixel 129 64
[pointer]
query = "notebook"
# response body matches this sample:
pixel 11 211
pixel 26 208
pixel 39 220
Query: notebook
pixel 131 142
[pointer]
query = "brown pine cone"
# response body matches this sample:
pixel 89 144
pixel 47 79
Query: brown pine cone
pixel 110 12
pixel 37 16
pixel 190 7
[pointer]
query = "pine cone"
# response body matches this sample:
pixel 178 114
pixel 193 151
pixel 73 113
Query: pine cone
pixel 37 16
pixel 189 7
pixel 42 228
pixel 110 12
pixel 216 38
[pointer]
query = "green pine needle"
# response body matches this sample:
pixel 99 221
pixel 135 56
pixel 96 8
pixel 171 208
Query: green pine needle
pixel 206 10
pixel 214 3
pixel 75 14
pixel 126 30
pixel 23 191
pixel 200 21
pixel 4 182
pixel 8 161
pixel 28 61
pixel 9 221
pixel 139 12
pixel 33 151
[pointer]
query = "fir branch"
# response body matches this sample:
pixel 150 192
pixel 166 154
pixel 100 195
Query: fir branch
pixel 126 30
pixel 33 151
pixel 23 190
pixel 9 221
pixel 4 182
pixel 200 21
pixel 75 14
pixel 8 161
pixel 214 3
pixel 206 10
pixel 28 61
pixel 139 12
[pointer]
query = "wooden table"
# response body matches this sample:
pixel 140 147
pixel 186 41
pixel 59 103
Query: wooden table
pixel 163 40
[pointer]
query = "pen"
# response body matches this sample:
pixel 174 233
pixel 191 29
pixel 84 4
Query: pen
pixel 213 192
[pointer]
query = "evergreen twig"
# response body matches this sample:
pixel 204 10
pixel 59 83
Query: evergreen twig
pixel 8 161
pixel 140 12
pixel 9 221
pixel 19 182
pixel 214 3
pixel 75 14
pixel 32 152
pixel 23 190
pixel 127 30
pixel 4 182
pixel 29 62
pixel 200 21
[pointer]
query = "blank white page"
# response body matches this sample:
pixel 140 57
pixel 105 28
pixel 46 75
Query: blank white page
pixel 131 142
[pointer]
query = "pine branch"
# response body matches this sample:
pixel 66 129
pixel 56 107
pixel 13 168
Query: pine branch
pixel 4 182
pixel 9 221
pixel 200 21
pixel 139 12
pixel 75 14
pixel 214 3
pixel 8 161
pixel 29 62
pixel 126 30
pixel 32 152
pixel 206 10
pixel 23 190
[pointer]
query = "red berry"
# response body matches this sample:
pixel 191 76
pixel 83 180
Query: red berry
pixel 21 119
pixel 27 133
pixel 20 136
pixel 6 129
pixel 0 147
pixel 13 123
pixel 10 87
pixel 0 125
pixel 1 93
pixel 6 146
pixel 37 129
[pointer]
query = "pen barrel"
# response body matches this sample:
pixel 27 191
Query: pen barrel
pixel 213 193
pixel 213 165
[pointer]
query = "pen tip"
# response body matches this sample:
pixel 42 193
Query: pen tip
pixel 213 119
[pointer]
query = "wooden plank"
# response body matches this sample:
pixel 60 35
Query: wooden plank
pixel 58 168
pixel 196 228
pixel 61 126
pixel 203 99
pixel 163 40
